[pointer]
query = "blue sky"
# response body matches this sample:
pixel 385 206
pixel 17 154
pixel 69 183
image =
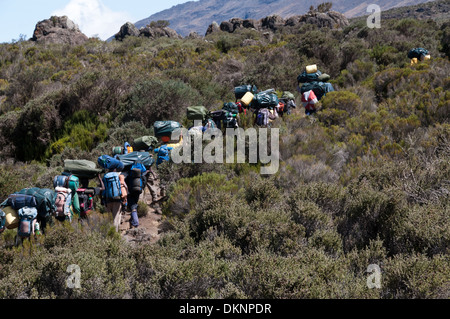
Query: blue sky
pixel 102 18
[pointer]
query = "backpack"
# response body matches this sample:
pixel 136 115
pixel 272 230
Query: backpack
pixel 319 88
pixel 81 168
pixel 239 91
pixel 210 124
pixel 63 201
pixel 135 178
pixel 287 96
pixel 165 128
pixel 112 186
pixel 230 107
pixel 17 201
pixel 73 183
pixel 218 117
pixel 417 53
pixel 163 151
pixel 262 117
pixel 229 120
pixel 86 198
pixel 60 181
pixel 27 216
pixel 145 143
pixel 200 113
pixel 309 100
pixel 44 197
pixel 109 162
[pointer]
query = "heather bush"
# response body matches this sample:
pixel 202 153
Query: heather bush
pixel 154 100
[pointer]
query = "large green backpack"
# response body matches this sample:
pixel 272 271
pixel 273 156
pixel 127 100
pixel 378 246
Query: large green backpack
pixel 287 96
pixel 165 128
pixel 145 143
pixel 45 199
pixel 81 168
pixel 265 100
pixel 197 113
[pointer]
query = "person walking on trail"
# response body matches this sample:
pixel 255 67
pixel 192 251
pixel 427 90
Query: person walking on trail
pixel 112 195
pixel 163 154
pixel 135 182
pixel 150 182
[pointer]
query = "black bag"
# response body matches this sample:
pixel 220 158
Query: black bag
pixel 218 117
pixel 231 107
pixel 18 201
pixel 135 181
pixel 417 53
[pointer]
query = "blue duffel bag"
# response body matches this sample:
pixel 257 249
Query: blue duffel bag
pixel 108 162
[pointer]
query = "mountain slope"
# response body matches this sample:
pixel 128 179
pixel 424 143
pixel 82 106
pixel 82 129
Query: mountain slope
pixel 197 15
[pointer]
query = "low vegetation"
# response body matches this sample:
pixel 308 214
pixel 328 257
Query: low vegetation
pixel 366 181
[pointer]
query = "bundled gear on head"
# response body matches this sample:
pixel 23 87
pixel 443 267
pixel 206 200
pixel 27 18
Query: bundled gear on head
pixel 418 53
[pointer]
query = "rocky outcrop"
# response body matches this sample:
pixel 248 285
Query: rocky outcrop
pixel 60 30
pixel 273 22
pixel 153 32
pixel 158 32
pixel 330 19
pixel 213 27
pixel 128 29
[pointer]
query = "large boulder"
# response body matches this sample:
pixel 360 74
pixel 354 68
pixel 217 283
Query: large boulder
pixel 158 32
pixel 330 19
pixel 273 22
pixel 128 29
pixel 60 30
pixel 213 27
pixel 226 26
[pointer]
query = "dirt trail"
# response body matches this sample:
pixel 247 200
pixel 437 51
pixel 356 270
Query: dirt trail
pixel 148 230
pixel 150 225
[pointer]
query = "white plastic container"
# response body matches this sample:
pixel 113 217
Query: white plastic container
pixel 311 68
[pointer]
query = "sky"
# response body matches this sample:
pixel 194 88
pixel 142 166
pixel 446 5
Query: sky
pixel 101 18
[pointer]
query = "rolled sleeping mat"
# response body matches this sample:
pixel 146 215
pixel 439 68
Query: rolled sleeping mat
pixel 117 150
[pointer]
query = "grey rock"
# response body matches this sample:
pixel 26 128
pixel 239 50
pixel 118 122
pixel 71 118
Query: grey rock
pixel 273 22
pixel 213 27
pixel 60 30
pixel 158 32
pixel 128 29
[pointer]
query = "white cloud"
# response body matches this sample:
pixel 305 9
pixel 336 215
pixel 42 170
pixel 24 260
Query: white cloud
pixel 94 18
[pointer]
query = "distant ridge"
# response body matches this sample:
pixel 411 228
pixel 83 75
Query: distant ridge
pixel 196 16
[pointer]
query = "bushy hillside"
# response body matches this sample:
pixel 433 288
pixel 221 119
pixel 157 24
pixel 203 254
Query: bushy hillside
pixel 364 181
